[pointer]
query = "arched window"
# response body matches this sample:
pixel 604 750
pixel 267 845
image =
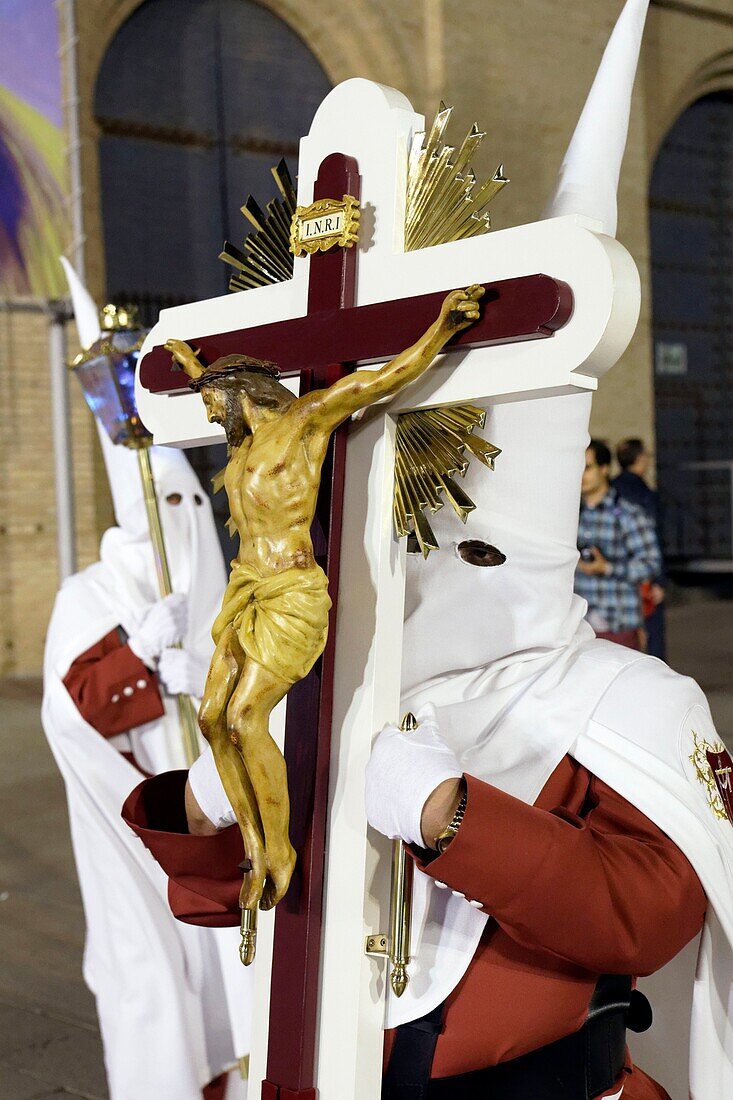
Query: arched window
pixel 195 100
pixel 691 211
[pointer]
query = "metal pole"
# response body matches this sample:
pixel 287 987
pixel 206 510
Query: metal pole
pixel 186 710
pixel 67 52
pixel 63 470
pixel 401 901
pixel 401 916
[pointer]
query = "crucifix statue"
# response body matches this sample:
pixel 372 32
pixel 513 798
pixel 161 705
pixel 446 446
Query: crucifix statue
pixel 560 304
pixel 273 623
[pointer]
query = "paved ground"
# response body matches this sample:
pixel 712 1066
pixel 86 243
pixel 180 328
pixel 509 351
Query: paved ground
pixel 49 1042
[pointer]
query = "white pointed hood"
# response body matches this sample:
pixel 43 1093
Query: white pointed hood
pixel 590 171
pixel 86 313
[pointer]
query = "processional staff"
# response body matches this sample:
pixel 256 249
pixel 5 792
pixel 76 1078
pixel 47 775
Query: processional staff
pixel 106 371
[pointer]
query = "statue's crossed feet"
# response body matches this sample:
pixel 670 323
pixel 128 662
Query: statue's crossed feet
pixel 267 878
pixel 280 867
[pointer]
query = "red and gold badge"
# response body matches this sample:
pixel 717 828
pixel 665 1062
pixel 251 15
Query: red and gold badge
pixel 714 769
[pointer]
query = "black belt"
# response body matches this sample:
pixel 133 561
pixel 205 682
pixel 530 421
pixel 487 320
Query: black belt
pixel 578 1067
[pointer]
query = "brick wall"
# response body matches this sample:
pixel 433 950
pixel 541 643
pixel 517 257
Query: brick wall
pixel 29 578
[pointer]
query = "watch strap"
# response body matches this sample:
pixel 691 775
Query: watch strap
pixel 443 839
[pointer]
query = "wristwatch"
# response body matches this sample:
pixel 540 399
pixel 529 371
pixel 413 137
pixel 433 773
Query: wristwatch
pixel 443 839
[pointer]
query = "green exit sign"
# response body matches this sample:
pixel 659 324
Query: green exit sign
pixel 670 359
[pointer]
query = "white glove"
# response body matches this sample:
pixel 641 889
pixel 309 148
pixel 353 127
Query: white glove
pixel 403 771
pixel 164 625
pixel 182 672
pixel 208 790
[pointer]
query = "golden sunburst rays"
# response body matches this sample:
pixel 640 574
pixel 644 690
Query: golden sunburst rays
pixel 432 446
pixel 444 199
pixel 266 257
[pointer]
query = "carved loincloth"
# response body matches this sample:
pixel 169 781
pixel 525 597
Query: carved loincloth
pixel 281 619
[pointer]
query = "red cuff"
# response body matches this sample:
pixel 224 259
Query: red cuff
pixel 112 689
pixel 203 871
pixel 491 852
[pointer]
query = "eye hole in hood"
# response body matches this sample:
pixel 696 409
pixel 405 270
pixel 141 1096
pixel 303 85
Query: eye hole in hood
pixel 476 552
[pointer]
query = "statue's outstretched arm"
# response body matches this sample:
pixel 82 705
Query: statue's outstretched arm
pixel 185 357
pixel 364 387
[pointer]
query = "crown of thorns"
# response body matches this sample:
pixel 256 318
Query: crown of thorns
pixel 234 364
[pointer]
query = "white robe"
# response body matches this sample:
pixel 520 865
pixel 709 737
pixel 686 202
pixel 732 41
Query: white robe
pixel 173 999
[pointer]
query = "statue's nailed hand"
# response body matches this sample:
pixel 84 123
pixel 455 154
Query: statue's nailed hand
pixel 461 309
pixel 184 356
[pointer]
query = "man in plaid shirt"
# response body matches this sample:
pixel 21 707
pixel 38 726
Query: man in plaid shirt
pixel 619 550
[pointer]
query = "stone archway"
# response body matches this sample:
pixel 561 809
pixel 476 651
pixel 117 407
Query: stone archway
pixel 183 142
pixel 713 76
pixel 691 232
pixel 361 43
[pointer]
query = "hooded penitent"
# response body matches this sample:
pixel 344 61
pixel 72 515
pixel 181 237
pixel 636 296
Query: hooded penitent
pixel 162 991
pixel 517 678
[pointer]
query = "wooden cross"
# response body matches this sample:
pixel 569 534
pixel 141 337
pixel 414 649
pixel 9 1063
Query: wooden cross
pixel 561 304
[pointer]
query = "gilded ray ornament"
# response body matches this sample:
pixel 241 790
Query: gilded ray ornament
pixel 266 257
pixel 432 447
pixel 444 203
pixel 444 200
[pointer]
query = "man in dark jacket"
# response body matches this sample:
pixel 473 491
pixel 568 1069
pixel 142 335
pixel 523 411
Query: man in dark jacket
pixel 633 458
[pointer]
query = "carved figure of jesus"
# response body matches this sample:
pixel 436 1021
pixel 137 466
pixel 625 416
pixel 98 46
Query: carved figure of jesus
pixel 273 622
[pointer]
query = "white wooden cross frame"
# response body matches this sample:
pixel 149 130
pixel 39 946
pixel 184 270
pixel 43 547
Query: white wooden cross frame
pixel 374 125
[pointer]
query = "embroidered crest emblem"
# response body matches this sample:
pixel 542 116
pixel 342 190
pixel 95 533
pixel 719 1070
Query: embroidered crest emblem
pixel 714 769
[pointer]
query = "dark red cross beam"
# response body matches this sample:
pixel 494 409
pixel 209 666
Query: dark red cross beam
pixel 324 345
pixel 528 308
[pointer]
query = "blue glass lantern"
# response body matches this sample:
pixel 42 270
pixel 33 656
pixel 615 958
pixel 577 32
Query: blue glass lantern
pixel 106 371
